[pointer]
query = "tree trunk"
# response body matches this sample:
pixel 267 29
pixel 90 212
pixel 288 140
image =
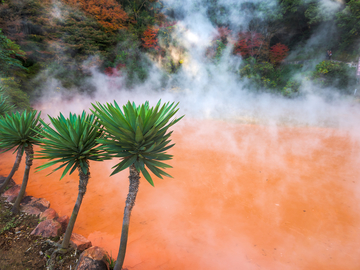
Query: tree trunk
pixel 29 151
pixel 129 204
pixel 14 168
pixel 83 181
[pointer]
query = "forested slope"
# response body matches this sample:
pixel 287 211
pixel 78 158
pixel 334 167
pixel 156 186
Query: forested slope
pixel 66 39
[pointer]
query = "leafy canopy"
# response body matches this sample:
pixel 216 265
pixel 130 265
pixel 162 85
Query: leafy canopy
pixel 71 142
pixel 138 135
pixel 19 129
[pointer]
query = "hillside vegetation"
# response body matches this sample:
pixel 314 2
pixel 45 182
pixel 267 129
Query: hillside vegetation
pixel 65 39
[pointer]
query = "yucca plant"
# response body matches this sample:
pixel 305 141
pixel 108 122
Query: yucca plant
pixel 71 144
pixel 139 137
pixel 19 131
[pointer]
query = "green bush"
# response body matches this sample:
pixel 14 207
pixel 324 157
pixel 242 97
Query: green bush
pixel 291 88
pixel 264 75
pixel 335 74
pixel 128 56
pixel 13 93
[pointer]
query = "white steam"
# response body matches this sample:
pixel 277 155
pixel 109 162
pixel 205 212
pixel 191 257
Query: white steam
pixel 208 90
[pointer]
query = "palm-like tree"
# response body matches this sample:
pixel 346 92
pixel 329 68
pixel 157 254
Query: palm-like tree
pixel 140 137
pixel 71 144
pixel 19 131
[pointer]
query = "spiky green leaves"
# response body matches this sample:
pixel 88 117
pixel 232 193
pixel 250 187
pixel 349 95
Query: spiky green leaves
pixel 138 135
pixel 19 129
pixel 71 142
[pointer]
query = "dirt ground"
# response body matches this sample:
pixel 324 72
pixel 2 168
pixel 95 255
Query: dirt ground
pixel 21 251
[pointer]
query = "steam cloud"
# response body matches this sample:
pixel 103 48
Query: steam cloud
pixel 208 90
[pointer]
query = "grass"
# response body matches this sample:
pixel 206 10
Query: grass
pixel 111 262
pixel 11 221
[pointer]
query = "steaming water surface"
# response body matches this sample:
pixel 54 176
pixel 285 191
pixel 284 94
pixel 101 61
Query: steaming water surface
pixel 242 197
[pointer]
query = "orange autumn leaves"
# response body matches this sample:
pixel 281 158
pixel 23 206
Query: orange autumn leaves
pixel 150 39
pixel 108 13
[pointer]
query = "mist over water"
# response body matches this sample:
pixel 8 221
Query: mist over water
pixel 213 90
pixel 260 181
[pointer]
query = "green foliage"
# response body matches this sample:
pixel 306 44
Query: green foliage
pixel 216 50
pixel 317 12
pixel 61 38
pixel 111 262
pixel 335 74
pixel 5 107
pixel 142 13
pixel 264 75
pixel 81 36
pixel 72 142
pixel 10 55
pixel 128 55
pixel 291 89
pixel 165 36
pixel 290 33
pixel 73 39
pixel 258 73
pixel 15 96
pixel 349 24
pixel 12 223
pixel 261 74
pixel 137 135
pixel 19 129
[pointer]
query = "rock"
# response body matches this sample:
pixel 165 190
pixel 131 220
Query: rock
pixel 42 203
pixel 47 228
pixel 27 200
pixel 95 258
pixel 79 242
pixel 2 180
pixel 49 214
pixel 34 206
pixel 64 221
pixel 12 193
pixel 39 203
pixel 31 210
pixel 11 199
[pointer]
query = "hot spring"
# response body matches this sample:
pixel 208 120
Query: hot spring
pixel 243 196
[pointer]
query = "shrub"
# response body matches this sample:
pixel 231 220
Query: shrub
pixel 336 75
pixel 15 96
pixel 278 53
pixel 128 57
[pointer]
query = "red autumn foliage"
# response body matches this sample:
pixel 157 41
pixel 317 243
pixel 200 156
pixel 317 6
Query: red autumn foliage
pixel 114 71
pixel 249 44
pixel 278 53
pixel 108 13
pixel 150 39
pixel 222 33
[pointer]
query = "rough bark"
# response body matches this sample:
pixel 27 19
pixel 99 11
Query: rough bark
pixel 83 181
pixel 29 151
pixel 13 170
pixel 129 204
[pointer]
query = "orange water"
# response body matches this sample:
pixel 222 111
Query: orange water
pixel 242 197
